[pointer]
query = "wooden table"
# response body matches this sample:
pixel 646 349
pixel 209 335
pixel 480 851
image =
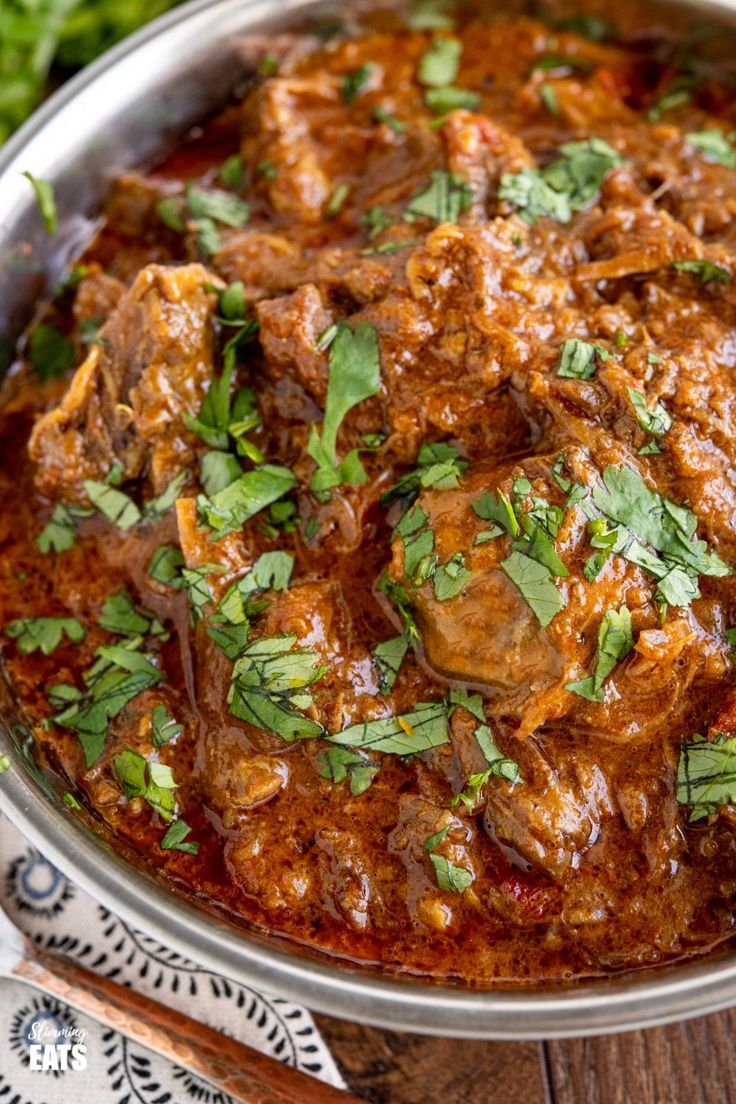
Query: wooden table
pixel 689 1063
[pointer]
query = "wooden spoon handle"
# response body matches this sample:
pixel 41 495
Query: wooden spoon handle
pixel 239 1070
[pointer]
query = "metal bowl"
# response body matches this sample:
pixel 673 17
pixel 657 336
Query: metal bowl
pixel 120 112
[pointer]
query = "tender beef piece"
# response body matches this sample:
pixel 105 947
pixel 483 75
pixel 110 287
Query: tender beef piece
pixel 480 151
pixel 125 403
pixel 97 296
pixel 289 330
pixel 554 815
pixel 346 873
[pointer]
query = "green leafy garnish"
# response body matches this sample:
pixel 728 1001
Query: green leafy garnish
pixel 706 774
pixel 50 352
pixel 60 533
pixel 354 374
pixel 444 200
pixel 407 734
pixel 588 26
pixel 704 271
pixel 455 879
pixel 569 184
pixel 615 641
pixel 113 504
pixel 431 15
pixel 438 465
pixel 397 594
pixel 548 96
pixel 222 207
pixel 232 172
pixel 450 98
pixel 229 509
pixel 175 838
pixel 376 220
pixel 44 633
pixel 398 126
pixel 337 200
pixel 715 146
pixel 163 726
pixel 498 764
pixel 217 470
pixel 388 657
pixel 439 64
pixel 354 83
pixel 44 193
pixel 535 583
pixel 579 359
pixel 152 781
pixel 676 94
pixel 655 421
pixel 449 578
pixel 339 765
pixel 166 563
pixel 161 504
pixel 120 616
pixel 269 687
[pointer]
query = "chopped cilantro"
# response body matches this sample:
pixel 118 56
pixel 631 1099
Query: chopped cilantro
pixel 269 687
pixel 406 734
pixel 439 64
pixel 455 879
pixel 569 184
pixel 232 172
pixel 438 465
pixel 337 200
pixel 388 657
pixel 450 98
pixel 715 146
pixel 163 726
pixel 676 94
pixel 548 96
pixel 166 563
pixel 216 206
pixel 444 200
pixel 152 781
pixel 431 15
pixel 706 775
pixel 397 595
pixel 60 532
pixel 175 838
pixel 656 420
pixel 449 578
pixel 579 359
pixel 217 470
pixel 339 765
pixel 589 26
pixel 169 210
pixel 44 633
pixel 498 764
pixel 117 507
pixel 50 352
pixel 615 641
pixel 229 509
pixel 704 271
pixel 535 583
pixel 376 220
pixel 398 126
pixel 161 504
pixel 354 83
pixel 44 193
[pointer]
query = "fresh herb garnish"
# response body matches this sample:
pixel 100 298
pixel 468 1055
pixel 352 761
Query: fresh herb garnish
pixel 44 193
pixel 439 64
pixel 444 200
pixel 706 774
pixel 455 879
pixel 579 359
pixel 354 374
pixel 498 764
pixel 50 352
pixel 715 146
pixel 398 596
pixel 44 633
pixel 166 564
pixel 388 657
pixel 449 98
pixel 118 507
pixel 161 504
pixel 431 15
pixel 354 83
pixel 548 96
pixel 152 781
pixel 438 465
pixel 163 726
pixel 338 764
pixel 449 578
pixel 175 839
pixel 535 583
pixel 337 200
pixel 676 94
pixel 406 734
pixel 229 509
pixel 589 26
pixel 381 115
pixel 269 687
pixel 704 271
pixel 120 616
pixel 376 220
pixel 615 641
pixel 232 172
pixel 569 184
pixel 655 421
pixel 60 532
pixel 222 207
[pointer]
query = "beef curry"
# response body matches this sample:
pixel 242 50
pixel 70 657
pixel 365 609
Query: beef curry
pixel 368 497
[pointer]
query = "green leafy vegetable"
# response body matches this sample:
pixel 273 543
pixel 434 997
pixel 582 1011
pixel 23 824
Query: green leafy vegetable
pixel 339 765
pixel 498 764
pixel 120 616
pixel 449 578
pixel 376 220
pixel 44 193
pixel 444 200
pixel 354 374
pixel 450 98
pixel 161 504
pixel 269 687
pixel 431 15
pixel 704 271
pixel 51 353
pixel 166 563
pixel 455 879
pixel 113 504
pixel 397 594
pixel 381 115
pixel 337 200
pixel 152 781
pixel 615 641
pixel 438 66
pixel 407 734
pixel 569 184
pixel 656 420
pixel 706 775
pixel 715 146
pixel 222 207
pixel 163 726
pixel 548 96
pixel 44 633
pixel 175 838
pixel 535 583
pixel 438 465
pixel 60 533
pixel 229 509
pixel 388 657
pixel 355 83
pixel 589 26
pixel 232 172
pixel 579 359
pixel 676 94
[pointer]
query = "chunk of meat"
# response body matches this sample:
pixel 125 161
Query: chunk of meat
pixel 346 877
pixel 289 330
pixel 554 815
pixel 125 403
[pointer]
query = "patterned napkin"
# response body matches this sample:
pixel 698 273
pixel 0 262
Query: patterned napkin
pixel 59 916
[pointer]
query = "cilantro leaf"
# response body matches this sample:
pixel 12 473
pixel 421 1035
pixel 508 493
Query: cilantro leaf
pixel 141 777
pixel 175 838
pixel 44 193
pixel 60 532
pixel 444 200
pixel 578 358
pixel 120 616
pixel 407 734
pixel 438 465
pixel 355 82
pixel 163 726
pixel 534 581
pixel 397 594
pixel 388 657
pixel 269 687
pixel 50 352
pixel 656 421
pixel 431 15
pixel 221 207
pixel 166 563
pixel 438 66
pixel 449 578
pixel 44 633
pixel 706 775
pixel 455 879
pixel 450 98
pixel 615 641
pixel 113 504
pixel 339 765
pixel 381 115
pixel 217 470
pixel 230 508
pixel 161 504
pixel 715 146
pixel 705 271
pixel 569 184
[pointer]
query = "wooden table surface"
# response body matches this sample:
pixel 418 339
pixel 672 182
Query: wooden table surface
pixel 688 1063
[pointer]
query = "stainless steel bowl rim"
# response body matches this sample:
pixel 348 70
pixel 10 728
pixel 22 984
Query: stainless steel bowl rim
pixel 621 1003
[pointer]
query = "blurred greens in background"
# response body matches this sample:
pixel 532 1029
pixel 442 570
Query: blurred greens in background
pixel 44 41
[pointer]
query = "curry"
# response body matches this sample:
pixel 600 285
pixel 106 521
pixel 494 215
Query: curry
pixel 368 486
